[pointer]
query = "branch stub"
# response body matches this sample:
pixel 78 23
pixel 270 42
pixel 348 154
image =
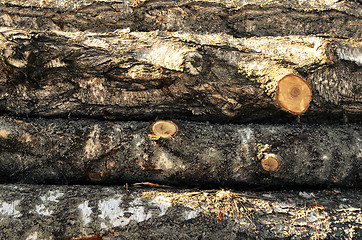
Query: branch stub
pixel 164 129
pixel 270 162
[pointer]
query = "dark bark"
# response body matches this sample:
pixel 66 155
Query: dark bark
pixel 88 212
pixel 202 154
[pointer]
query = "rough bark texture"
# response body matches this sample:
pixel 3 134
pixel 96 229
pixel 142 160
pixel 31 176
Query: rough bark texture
pixel 242 18
pixel 63 151
pixel 73 212
pixel 204 60
pixel 128 71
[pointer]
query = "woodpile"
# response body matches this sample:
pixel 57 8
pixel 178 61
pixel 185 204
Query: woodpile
pixel 198 155
pixel 132 119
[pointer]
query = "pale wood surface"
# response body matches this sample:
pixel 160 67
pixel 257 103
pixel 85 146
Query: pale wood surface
pixel 72 212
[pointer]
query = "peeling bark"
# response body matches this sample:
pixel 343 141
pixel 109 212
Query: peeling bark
pixel 78 212
pixel 200 154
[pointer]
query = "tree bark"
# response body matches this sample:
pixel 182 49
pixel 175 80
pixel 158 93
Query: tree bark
pixel 242 18
pixel 203 75
pixel 66 64
pixel 199 154
pixel 98 212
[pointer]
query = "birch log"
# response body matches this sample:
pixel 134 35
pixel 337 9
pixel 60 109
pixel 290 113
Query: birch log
pixel 99 212
pixel 142 75
pixel 198 154
pixel 255 61
pixel 199 60
pixel 242 18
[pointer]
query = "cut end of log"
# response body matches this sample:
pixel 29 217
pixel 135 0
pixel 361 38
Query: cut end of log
pixel 164 129
pixel 293 94
pixel 270 163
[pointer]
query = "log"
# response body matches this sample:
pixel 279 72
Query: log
pixel 199 154
pixel 160 63
pixel 58 60
pixel 242 18
pixel 141 75
pixel 99 212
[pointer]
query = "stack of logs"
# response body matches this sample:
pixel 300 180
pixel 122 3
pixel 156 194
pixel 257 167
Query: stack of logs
pixel 111 111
